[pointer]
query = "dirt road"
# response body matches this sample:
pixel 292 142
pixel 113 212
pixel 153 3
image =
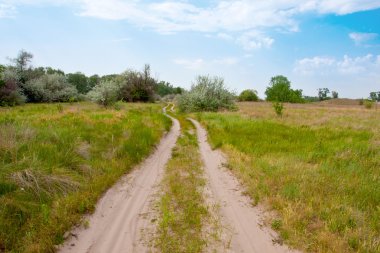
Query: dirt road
pixel 116 224
pixel 238 217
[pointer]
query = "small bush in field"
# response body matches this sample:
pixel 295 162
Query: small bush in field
pixel 105 93
pixel 368 104
pixel 248 95
pixel 278 108
pixel 207 94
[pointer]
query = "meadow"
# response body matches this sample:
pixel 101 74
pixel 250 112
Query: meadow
pixel 315 170
pixel 56 160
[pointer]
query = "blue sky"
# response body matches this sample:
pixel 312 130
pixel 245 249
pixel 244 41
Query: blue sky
pixel 325 43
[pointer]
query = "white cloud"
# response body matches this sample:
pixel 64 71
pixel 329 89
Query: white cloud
pixel 226 61
pixel 7 10
pixel 254 40
pixel 360 38
pixel 196 64
pixel 320 65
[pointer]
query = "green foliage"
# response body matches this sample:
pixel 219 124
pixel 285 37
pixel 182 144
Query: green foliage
pixel 278 108
pixel 323 94
pixel 10 93
pixel 50 88
pixel 55 166
pixel 105 93
pixel 279 90
pixel 334 94
pixel 136 86
pixel 22 66
pixel 375 96
pixel 368 104
pixel 80 81
pixel 248 95
pixel 207 94
pixel 311 99
pixel 164 88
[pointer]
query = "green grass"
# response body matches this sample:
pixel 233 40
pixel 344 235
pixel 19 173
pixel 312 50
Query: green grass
pixel 322 181
pixel 57 160
pixel 183 212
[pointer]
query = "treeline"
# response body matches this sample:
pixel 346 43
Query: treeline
pixel 20 82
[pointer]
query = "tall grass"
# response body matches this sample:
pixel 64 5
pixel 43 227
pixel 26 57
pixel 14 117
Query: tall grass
pixel 55 162
pixel 321 180
pixel 183 212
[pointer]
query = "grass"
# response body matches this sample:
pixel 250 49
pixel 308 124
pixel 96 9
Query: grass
pixel 56 160
pixel 317 168
pixel 183 212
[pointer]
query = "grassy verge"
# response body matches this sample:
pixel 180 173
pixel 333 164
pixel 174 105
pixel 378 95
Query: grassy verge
pixel 56 160
pixel 182 209
pixel 322 181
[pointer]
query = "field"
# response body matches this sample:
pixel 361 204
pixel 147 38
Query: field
pixel 57 159
pixel 316 169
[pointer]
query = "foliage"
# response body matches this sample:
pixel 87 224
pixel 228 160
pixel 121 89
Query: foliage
pixel 248 95
pixel 55 166
pixel 320 179
pixel 93 81
pixel 50 88
pixel 278 108
pixel 164 88
pixel 80 81
pixel 323 94
pixel 311 99
pixel 368 104
pixel 334 94
pixel 22 66
pixel 279 90
pixel 105 93
pixel 10 93
pixel 136 86
pixel 207 94
pixel 375 96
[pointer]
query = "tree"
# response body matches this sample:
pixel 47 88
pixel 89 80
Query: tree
pixel 22 62
pixel 105 93
pixel 50 88
pixel 375 96
pixel 93 81
pixel 137 86
pixel 248 95
pixel 78 80
pixel 335 94
pixel 164 88
pixel 279 90
pixel 10 93
pixel 323 94
pixel 207 94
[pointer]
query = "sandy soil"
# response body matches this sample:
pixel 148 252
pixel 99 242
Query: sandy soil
pixel 240 220
pixel 118 221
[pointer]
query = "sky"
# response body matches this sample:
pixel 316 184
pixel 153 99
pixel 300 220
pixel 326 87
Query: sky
pixel 331 44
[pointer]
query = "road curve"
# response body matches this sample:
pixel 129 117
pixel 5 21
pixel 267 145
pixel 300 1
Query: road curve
pixel 116 223
pixel 236 210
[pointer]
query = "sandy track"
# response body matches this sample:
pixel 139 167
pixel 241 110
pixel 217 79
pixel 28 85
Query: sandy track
pixel 117 222
pixel 237 214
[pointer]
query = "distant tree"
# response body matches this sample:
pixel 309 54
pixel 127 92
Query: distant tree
pixel 22 65
pixel 279 90
pixel 78 80
pixel 248 95
pixel 50 88
pixel 164 88
pixel 323 94
pixel 207 94
pixel 137 86
pixel 10 92
pixel 334 94
pixel 51 71
pixel 375 96
pixel 105 93
pixel 93 81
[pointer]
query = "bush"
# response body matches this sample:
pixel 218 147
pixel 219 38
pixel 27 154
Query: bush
pixel 248 95
pixel 105 93
pixel 50 88
pixel 10 93
pixel 136 86
pixel 368 104
pixel 207 94
pixel 278 108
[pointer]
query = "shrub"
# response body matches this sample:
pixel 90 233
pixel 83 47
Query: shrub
pixel 136 86
pixel 368 104
pixel 105 93
pixel 50 88
pixel 10 93
pixel 248 95
pixel 207 94
pixel 278 108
